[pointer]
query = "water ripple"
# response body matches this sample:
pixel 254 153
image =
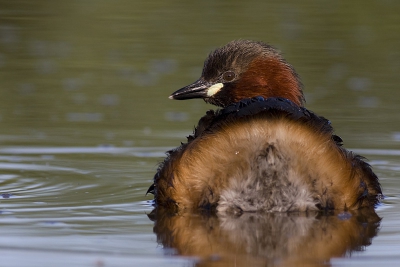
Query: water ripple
pixel 131 151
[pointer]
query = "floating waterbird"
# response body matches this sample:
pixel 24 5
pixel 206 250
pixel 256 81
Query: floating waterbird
pixel 262 151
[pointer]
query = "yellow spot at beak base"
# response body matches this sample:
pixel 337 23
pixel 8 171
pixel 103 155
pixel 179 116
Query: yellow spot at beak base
pixel 212 90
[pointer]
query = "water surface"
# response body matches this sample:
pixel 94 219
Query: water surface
pixel 85 119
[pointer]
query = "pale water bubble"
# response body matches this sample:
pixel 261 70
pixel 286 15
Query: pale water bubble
pixel 84 116
pixel 26 89
pixel 396 136
pixel 176 116
pixel 163 66
pixel 8 35
pixel 46 66
pixel 109 100
pixel 359 83
pixel 337 71
pixel 70 84
pixel 368 101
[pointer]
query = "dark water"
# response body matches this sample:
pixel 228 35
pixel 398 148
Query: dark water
pixel 84 120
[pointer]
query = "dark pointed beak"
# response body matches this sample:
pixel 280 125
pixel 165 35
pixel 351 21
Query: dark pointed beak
pixel 198 89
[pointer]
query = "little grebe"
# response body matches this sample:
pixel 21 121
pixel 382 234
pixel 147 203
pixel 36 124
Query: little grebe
pixel 263 151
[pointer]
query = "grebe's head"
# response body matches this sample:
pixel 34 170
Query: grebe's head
pixel 244 69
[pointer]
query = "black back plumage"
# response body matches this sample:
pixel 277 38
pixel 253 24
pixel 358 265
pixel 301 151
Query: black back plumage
pixel 273 107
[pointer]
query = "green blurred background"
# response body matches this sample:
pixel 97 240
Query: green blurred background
pixel 101 71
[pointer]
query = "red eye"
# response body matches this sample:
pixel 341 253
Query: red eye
pixel 229 76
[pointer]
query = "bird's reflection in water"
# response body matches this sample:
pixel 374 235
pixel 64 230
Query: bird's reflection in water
pixel 269 239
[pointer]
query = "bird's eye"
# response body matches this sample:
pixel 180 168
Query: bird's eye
pixel 228 76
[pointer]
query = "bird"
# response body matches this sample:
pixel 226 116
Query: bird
pixel 261 150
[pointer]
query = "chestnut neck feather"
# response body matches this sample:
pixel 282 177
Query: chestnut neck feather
pixel 269 77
